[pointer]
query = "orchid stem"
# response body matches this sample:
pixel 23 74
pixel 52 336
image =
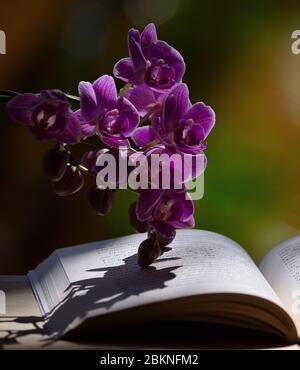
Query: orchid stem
pixel 88 144
pixel 150 145
pixel 124 89
pixel 75 163
pixel 149 114
pixel 85 170
pixel 131 150
pixel 7 95
pixel 73 98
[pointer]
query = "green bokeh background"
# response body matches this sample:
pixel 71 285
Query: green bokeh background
pixel 239 61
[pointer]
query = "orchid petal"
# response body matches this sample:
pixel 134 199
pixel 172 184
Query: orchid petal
pixel 20 108
pixel 88 100
pixel 128 110
pixel 162 50
pixel 142 97
pixel 148 39
pixel 181 92
pixel 105 92
pixel 146 202
pixel 88 128
pixel 135 51
pixel 169 118
pixel 202 114
pixel 143 136
pixel 72 131
pixel 124 70
pixel 114 141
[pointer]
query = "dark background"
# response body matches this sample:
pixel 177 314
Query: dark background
pixel 239 61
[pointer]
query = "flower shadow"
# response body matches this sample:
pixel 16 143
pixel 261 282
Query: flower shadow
pixel 118 283
pixel 34 326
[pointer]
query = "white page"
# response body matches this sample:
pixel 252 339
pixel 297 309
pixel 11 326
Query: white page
pixel 105 276
pixel 281 267
pixel 199 261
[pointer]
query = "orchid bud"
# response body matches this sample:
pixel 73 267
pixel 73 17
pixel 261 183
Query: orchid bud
pixel 148 252
pixel 101 200
pixel 71 182
pixel 162 240
pixel 138 226
pixel 55 163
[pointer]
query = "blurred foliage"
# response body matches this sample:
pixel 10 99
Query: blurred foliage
pixel 239 61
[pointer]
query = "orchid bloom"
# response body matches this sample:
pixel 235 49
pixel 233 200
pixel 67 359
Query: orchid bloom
pixel 165 210
pixel 103 113
pixel 151 61
pixel 48 115
pixel 181 126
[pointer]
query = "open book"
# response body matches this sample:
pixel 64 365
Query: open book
pixel 205 277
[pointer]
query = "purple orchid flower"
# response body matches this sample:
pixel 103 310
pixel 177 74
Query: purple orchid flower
pixel 102 111
pixel 187 166
pixel 48 115
pixel 145 100
pixel 181 126
pixel 165 210
pixel 90 160
pixel 151 61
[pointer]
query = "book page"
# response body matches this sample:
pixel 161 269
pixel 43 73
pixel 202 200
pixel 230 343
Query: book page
pixel 103 277
pixel 281 267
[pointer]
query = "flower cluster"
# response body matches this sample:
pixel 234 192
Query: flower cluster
pixel 152 113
